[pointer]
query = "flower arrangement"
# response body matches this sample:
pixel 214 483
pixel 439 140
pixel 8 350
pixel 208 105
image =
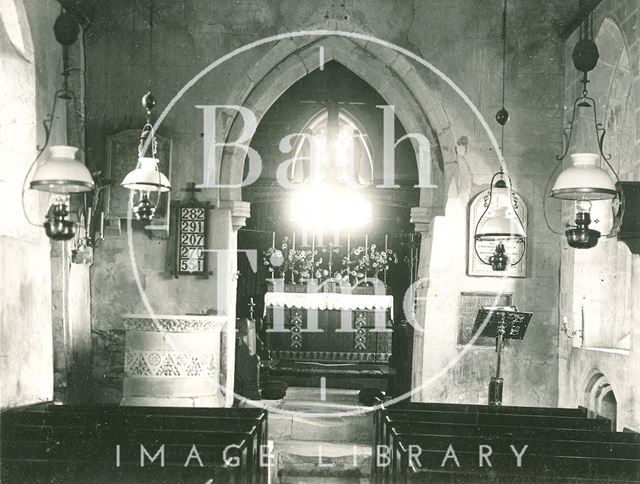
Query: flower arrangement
pixel 364 263
pixel 300 265
pixel 273 259
pixel 311 265
pixel 291 264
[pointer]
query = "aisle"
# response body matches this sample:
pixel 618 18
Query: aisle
pixel 331 448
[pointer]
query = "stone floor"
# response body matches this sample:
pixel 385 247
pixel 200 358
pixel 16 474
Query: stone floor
pixel 321 436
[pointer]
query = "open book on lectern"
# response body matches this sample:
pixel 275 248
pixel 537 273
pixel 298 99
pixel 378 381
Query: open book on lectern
pixel 514 322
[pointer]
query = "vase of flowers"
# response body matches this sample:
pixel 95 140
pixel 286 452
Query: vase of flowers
pixel 273 259
pixel 365 263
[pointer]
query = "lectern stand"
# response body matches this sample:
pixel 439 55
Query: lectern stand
pixel 501 323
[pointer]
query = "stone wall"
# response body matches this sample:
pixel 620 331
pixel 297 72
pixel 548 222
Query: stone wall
pixel 600 287
pixel 461 38
pixel 31 61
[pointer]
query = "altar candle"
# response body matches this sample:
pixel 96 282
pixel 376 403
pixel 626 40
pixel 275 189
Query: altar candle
pixel 348 246
pixel 366 243
pixel 101 223
pixel 294 241
pixel 386 241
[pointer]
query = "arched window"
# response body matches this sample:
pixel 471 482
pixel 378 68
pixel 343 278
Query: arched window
pixel 333 148
pixel 332 161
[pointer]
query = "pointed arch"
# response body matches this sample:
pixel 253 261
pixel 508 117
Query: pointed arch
pixel 387 71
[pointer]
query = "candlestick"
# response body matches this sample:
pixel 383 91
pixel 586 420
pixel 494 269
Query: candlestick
pixel 384 273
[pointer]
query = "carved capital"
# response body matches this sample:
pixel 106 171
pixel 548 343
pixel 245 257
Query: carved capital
pixel 240 212
pixel 421 217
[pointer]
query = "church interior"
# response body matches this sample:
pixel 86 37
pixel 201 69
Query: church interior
pixel 299 241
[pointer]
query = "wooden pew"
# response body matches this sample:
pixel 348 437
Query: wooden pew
pixel 163 413
pixel 500 409
pixel 439 428
pixel 82 462
pixel 125 425
pixel 559 434
pixel 45 433
pixel 260 415
pixel 469 409
pixel 482 419
pixel 539 468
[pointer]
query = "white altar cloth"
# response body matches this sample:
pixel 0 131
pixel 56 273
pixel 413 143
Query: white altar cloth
pixel 328 300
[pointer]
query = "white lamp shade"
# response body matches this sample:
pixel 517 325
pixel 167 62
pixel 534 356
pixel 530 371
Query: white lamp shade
pixel 146 177
pixel 585 180
pixel 62 173
pixel 500 224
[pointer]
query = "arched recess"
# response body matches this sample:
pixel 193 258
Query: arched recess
pixel 398 82
pixel 600 399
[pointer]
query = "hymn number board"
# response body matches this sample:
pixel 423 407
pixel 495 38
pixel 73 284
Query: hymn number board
pixel 192 221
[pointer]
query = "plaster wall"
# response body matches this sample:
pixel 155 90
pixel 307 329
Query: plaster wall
pixel 462 39
pixel 29 73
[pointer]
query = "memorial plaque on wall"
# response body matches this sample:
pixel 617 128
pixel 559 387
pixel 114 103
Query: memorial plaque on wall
pixel 469 305
pixel 192 224
pixel 122 157
pixel 513 249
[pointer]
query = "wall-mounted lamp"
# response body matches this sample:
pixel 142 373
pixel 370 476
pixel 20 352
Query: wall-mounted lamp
pixel 499 223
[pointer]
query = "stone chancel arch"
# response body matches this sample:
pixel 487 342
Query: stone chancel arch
pixel 387 71
pixel 397 80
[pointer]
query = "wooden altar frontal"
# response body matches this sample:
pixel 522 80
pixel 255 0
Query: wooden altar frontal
pixel 345 338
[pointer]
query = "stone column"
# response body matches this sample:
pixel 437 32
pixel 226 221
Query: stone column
pixel 422 218
pixel 226 220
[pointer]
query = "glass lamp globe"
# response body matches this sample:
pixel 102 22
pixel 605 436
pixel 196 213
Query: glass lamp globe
pixel 584 180
pixel 146 177
pixel 500 224
pixel 62 173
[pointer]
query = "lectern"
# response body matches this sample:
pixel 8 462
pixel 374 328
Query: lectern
pixel 501 323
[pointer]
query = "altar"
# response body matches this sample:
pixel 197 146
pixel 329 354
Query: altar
pixel 178 360
pixel 342 337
